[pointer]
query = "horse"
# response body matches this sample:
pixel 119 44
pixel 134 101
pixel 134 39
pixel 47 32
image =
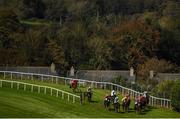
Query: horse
pixel 88 95
pixel 126 104
pixel 144 101
pixel 137 107
pixel 141 102
pixel 117 107
pixel 74 85
pixel 107 102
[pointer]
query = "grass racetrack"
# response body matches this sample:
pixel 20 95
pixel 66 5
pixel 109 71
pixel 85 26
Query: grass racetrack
pixel 19 103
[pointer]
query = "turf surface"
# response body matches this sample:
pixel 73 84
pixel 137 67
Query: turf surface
pixel 15 103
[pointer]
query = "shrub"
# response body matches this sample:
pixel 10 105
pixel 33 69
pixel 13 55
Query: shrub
pixel 160 66
pixel 119 80
pixel 164 89
pixel 176 96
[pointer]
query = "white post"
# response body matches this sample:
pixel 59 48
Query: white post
pixel 4 75
pixel 31 88
pixel 1 84
pixel 51 91
pixel 44 90
pixel 68 96
pixel 65 81
pixel 56 80
pixel 62 95
pixel 56 93
pixel 17 86
pixel 91 84
pixel 11 84
pixel 170 106
pixel 38 89
pixel 24 87
pixel 52 79
pixel 11 75
pixel 73 99
pixel 42 78
pixel 104 85
pixel 31 76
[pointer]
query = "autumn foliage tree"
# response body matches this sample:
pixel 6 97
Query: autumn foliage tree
pixel 135 41
pixel 158 66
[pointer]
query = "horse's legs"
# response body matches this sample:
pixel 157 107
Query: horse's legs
pixel 123 107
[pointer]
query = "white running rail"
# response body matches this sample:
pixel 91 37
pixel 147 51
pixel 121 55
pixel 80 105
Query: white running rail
pixel 153 101
pixel 40 89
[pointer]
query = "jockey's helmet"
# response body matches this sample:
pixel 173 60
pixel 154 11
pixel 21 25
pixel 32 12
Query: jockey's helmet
pixel 145 92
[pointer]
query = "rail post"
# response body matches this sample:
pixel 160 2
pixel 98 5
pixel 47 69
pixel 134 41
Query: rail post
pixel 65 81
pixel 11 84
pixel 52 80
pixel 51 91
pixel 68 96
pixel 4 75
pixel 38 89
pixel 31 88
pixel 56 80
pixel 31 76
pixel 11 75
pixel 73 99
pixel 42 78
pixel 56 93
pixel 17 86
pixel 44 90
pixel 62 95
pixel 92 84
pixel 24 87
pixel 81 98
pixel 1 84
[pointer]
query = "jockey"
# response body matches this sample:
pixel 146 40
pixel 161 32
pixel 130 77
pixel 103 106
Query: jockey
pixel 145 94
pixel 128 97
pixel 106 97
pixel 89 89
pixel 124 99
pixel 113 93
pixel 116 100
pixel 136 100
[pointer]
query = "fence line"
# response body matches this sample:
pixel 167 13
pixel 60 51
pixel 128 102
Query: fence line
pixel 40 89
pixel 153 101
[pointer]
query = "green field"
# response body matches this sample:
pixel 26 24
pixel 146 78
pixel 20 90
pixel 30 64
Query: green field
pixel 15 103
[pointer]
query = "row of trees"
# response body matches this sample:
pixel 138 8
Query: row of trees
pixel 96 34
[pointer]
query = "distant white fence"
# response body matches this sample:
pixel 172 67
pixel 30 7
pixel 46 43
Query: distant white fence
pixel 40 89
pixel 154 101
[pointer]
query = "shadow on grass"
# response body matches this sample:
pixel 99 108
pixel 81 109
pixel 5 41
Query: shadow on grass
pixel 92 101
pixel 146 110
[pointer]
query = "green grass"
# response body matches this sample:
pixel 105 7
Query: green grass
pixel 36 22
pixel 15 103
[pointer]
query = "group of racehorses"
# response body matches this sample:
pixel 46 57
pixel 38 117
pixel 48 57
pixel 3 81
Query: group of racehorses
pixel 140 103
